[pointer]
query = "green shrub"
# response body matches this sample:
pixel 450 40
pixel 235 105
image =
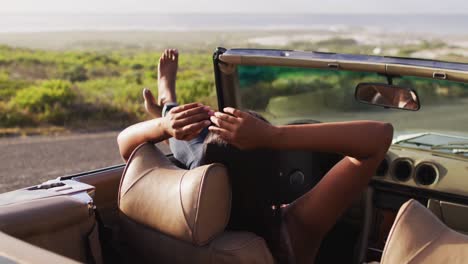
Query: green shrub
pixel 8 88
pixel 76 73
pixel 54 95
pixel 11 117
pixel 191 90
pixel 132 77
pixel 137 66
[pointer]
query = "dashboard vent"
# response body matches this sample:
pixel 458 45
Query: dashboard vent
pixel 402 169
pixel 426 174
pixel 382 169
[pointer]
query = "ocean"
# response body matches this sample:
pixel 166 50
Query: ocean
pixel 418 23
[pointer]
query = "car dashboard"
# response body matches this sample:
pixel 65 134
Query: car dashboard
pixel 436 180
pixel 424 170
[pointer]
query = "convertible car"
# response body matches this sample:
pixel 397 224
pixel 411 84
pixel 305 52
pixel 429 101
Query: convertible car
pixel 152 210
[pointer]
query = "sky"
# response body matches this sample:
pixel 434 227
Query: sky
pixel 237 6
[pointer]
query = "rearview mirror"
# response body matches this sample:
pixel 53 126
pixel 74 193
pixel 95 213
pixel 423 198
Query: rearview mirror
pixel 386 95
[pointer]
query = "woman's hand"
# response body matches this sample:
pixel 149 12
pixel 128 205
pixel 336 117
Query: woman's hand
pixel 241 129
pixel 185 122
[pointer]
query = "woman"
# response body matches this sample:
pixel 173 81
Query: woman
pixel 304 222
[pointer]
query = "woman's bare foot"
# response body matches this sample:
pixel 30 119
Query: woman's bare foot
pixel 151 106
pixel 167 72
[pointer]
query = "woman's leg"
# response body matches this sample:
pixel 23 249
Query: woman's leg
pixel 190 152
pixel 167 75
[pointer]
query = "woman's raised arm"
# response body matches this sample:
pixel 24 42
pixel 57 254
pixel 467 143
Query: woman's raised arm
pixel 358 139
pixel 309 218
pixel 182 122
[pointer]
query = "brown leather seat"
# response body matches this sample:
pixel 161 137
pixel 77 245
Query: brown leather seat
pixel 13 250
pixel 60 220
pixel 418 236
pixel 171 215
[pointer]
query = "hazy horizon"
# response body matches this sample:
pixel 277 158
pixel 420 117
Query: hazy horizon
pixel 240 6
pixel 404 23
pixel 228 13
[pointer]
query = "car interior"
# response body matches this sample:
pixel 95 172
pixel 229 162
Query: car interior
pixel 151 209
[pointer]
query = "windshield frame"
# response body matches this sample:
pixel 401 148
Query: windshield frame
pixel 225 62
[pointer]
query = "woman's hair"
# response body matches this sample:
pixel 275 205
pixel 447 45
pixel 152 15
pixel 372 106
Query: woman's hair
pixel 213 138
pixel 254 180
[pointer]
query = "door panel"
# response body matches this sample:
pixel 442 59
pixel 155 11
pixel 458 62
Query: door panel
pixel 106 184
pixel 13 250
pixel 57 216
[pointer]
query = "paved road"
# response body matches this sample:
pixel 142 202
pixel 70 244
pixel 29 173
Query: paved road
pixel 32 160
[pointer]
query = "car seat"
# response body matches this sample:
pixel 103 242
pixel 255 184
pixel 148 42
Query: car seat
pixel 172 215
pixel 418 236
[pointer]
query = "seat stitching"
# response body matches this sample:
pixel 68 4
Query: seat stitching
pixel 226 220
pixel 195 229
pixel 127 165
pixel 412 203
pixel 199 193
pixel 182 205
pixel 137 180
pixel 425 247
pixel 215 250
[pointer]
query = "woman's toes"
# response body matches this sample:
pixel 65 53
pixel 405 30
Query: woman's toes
pixel 148 95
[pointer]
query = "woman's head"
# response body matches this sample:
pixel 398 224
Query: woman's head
pixel 215 139
pixel 218 150
pixel 252 174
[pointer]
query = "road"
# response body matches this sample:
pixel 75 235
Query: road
pixel 26 161
pixel 32 160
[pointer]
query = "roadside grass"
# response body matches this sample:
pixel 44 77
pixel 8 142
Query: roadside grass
pixel 95 86
pixel 85 90
pixel 33 131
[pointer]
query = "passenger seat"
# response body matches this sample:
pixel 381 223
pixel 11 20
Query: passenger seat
pixel 418 236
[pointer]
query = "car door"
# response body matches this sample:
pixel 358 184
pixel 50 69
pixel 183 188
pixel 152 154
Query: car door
pixel 71 216
pixel 64 215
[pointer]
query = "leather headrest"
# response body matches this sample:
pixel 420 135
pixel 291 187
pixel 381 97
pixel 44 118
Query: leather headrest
pixel 191 205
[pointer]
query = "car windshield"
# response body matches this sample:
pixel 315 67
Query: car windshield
pixel 285 95
pixel 435 142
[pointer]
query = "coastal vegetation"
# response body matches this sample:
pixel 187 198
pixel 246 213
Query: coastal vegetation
pixel 89 90
pixel 98 87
